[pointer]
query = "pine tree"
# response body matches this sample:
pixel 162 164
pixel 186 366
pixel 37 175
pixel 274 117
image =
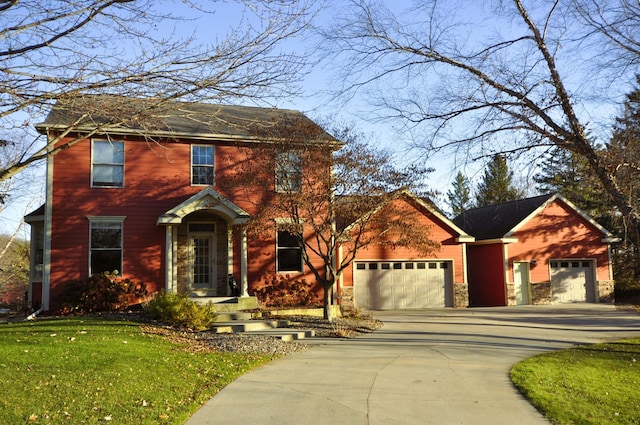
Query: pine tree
pixel 569 174
pixel 623 151
pixel 460 196
pixel 497 186
pixel 623 154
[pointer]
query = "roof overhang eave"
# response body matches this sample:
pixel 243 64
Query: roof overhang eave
pixel 505 240
pixel 44 128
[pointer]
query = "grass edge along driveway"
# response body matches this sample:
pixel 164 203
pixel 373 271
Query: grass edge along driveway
pixel 90 371
pixel 591 384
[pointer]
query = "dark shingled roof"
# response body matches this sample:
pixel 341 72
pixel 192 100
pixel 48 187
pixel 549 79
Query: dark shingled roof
pixel 496 221
pixel 161 118
pixel 36 215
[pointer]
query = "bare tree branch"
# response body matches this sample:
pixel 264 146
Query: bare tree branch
pixel 66 49
pixel 514 87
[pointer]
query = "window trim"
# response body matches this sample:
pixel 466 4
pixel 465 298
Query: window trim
pixel 279 248
pixel 213 165
pixel 93 163
pixel 285 175
pixel 105 220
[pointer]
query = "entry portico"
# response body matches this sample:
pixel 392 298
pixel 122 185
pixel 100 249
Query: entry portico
pixel 200 244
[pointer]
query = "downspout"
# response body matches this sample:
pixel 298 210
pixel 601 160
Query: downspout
pixel 33 315
pixel 46 272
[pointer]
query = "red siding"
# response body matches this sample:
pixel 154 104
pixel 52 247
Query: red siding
pixel 487 286
pixel 156 179
pixel 558 232
pixel 440 232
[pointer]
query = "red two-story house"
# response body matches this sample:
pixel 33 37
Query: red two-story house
pixel 136 189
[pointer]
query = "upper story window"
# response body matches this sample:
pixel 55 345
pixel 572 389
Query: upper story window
pixel 289 253
pixel 107 163
pixel 288 172
pixel 202 169
pixel 105 253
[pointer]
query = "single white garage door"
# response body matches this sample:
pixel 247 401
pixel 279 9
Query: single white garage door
pixel 383 285
pixel 572 281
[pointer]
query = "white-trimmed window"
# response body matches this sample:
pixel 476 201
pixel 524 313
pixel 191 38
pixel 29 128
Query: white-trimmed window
pixel 105 244
pixel 107 163
pixel 289 252
pixel 288 171
pixel 202 168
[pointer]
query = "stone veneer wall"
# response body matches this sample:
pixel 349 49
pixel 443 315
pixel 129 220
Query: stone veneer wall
pixel 511 293
pixel 460 295
pixel 540 293
pixel 222 255
pixel 346 300
pixel 606 291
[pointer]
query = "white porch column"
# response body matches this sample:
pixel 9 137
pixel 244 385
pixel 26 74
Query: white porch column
pixel 170 260
pixel 244 285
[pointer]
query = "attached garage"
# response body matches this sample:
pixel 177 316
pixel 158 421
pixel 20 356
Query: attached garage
pixel 384 285
pixel 572 281
pixel 540 250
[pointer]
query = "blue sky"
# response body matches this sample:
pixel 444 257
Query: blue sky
pixel 314 99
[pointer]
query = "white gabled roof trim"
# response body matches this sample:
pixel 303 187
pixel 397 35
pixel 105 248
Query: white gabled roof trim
pixel 206 199
pixel 559 197
pixel 462 235
pixel 505 240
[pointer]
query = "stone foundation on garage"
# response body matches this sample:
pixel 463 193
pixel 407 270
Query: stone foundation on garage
pixel 346 300
pixel 605 291
pixel 460 295
pixel 511 294
pixel 540 293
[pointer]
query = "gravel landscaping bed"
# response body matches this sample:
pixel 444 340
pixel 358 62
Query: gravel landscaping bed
pixel 344 327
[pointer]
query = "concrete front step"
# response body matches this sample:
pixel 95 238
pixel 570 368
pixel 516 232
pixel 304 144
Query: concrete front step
pixel 271 328
pixel 229 316
pixel 235 326
pixel 288 335
pixel 227 304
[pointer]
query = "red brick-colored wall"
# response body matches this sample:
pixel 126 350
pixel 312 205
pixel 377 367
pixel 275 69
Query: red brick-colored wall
pixel 558 232
pixel 440 232
pixel 156 179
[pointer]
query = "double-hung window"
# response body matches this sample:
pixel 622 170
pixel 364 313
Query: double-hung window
pixel 289 252
pixel 288 171
pixel 105 238
pixel 107 163
pixel 202 168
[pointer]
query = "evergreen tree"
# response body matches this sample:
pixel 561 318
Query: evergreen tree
pixel 497 186
pixel 623 151
pixel 460 196
pixel 623 154
pixel 569 174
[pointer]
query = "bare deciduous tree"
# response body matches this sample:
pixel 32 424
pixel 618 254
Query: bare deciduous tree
pixel 65 49
pixel 333 200
pixel 521 76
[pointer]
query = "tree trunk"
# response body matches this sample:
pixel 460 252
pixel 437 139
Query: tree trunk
pixel 326 301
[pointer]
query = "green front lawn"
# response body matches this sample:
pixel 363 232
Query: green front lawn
pixel 84 370
pixel 597 384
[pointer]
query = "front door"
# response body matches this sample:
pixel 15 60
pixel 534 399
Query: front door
pixel 202 258
pixel 521 282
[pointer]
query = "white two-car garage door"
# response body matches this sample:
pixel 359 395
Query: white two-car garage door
pixel 383 285
pixel 572 281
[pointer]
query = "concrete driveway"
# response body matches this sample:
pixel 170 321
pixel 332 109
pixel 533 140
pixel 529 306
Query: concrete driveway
pixel 448 366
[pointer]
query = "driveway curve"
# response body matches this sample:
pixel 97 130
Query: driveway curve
pixel 445 366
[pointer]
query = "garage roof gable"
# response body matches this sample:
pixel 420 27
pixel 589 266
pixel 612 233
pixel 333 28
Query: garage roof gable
pixel 501 221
